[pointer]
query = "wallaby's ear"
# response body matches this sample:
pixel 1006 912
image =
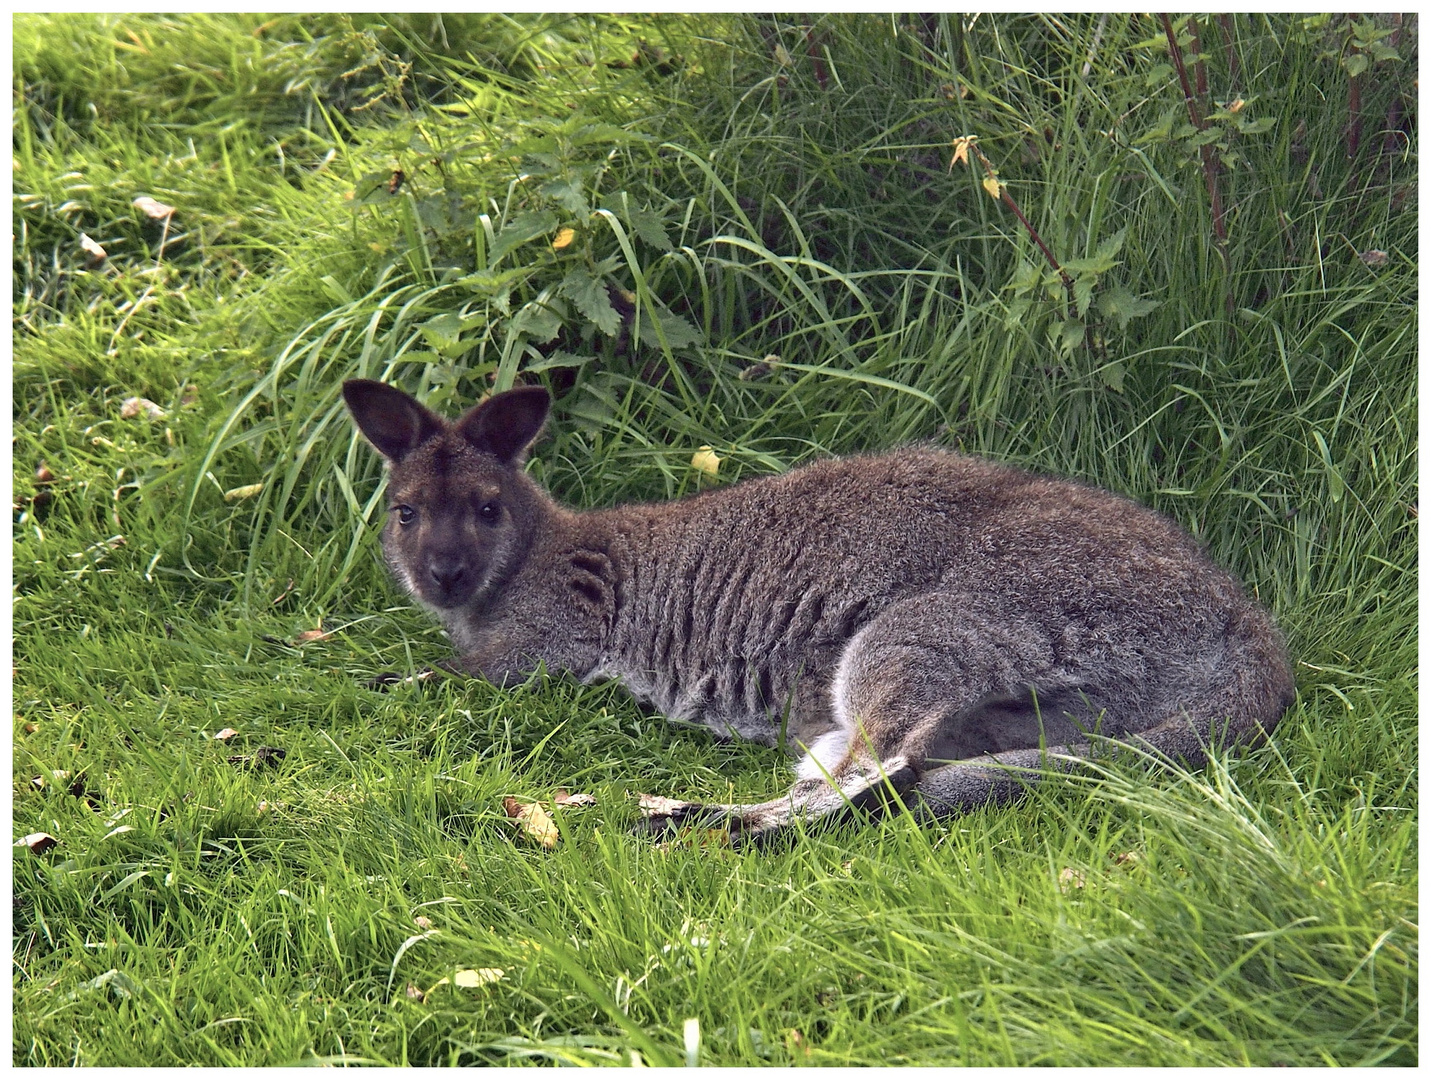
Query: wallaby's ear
pixel 393 421
pixel 506 424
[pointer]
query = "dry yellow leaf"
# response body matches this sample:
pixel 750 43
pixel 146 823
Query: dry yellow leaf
pixel 1069 878
pixel 564 237
pixel 706 460
pixel 225 735
pixel 153 207
pixel 992 186
pixel 92 247
pixel 132 407
pixel 473 977
pixel 248 491
pixel 581 798
pixel 535 822
pixel 961 150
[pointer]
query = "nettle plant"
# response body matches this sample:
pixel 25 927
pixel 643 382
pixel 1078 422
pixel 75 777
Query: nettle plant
pixel 565 269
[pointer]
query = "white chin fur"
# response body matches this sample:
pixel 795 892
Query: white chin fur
pixel 823 755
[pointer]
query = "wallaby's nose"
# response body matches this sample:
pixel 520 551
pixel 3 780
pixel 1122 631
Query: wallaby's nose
pixel 448 573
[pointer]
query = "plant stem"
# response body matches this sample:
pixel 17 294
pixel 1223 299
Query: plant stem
pixel 1208 154
pixel 1033 233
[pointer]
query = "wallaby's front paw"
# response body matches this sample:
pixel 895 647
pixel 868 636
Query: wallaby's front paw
pixel 660 814
pixel 382 681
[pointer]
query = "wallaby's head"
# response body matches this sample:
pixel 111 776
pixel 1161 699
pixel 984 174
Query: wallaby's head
pixel 462 515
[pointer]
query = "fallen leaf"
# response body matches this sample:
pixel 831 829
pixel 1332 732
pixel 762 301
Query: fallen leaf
pixel 654 805
pixel 93 248
pixel 30 728
pixel 706 460
pixel 1069 878
pixel 37 842
pixel 564 237
pixel 153 207
pixel 415 994
pixel 1127 858
pixel 1374 257
pixel 533 820
pixel 423 922
pixel 248 491
pixel 43 474
pixel 225 735
pixel 132 407
pixel 561 798
pixel 310 635
pixel 473 977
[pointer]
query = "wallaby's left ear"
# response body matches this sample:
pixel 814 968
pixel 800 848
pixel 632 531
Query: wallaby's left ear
pixel 506 424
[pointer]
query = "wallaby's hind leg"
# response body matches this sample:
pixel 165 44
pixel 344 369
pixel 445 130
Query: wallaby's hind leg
pixel 904 683
pixel 938 700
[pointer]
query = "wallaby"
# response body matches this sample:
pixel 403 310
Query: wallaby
pixel 924 624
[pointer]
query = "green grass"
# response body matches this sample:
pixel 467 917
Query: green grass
pixel 803 274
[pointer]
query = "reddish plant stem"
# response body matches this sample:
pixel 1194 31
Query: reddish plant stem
pixel 1234 66
pixel 817 59
pixel 1028 226
pixel 1353 112
pixel 1199 68
pixel 1209 156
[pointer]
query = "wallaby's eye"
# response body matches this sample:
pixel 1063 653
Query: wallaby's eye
pixel 490 512
pixel 406 514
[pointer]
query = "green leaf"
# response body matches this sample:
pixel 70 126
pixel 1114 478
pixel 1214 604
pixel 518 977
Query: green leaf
pixel 373 188
pixel 1158 73
pixel 605 133
pixel 1112 375
pixel 1355 64
pixel 569 192
pixel 1070 335
pixel 589 295
pixel 1380 52
pixel 521 229
pixel 1257 127
pixel 1117 303
pixel 1112 245
pixel 538 322
pixel 1026 278
pixel 1083 292
pixel 442 329
pixel 488 282
pixel 679 333
pixel 650 228
pixel 557 358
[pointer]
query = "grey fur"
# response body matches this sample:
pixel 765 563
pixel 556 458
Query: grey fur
pixel 927 623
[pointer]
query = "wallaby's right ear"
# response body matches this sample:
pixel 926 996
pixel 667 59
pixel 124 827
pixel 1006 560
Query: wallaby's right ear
pixel 393 421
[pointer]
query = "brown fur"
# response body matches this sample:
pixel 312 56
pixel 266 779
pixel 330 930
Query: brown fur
pixel 926 623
